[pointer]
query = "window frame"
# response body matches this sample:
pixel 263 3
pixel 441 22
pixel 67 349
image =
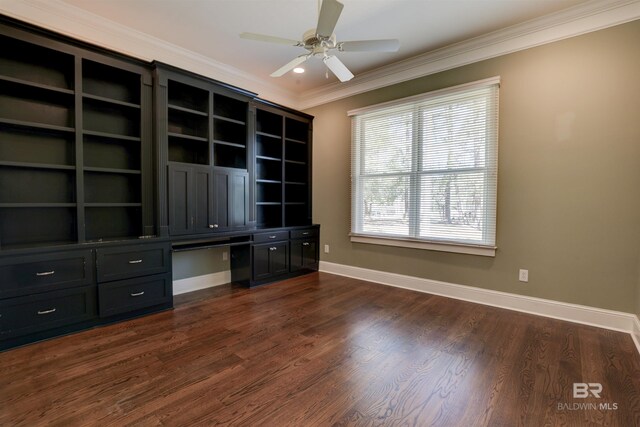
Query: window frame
pixel 417 171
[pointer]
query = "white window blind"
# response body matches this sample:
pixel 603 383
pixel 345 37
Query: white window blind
pixel 425 168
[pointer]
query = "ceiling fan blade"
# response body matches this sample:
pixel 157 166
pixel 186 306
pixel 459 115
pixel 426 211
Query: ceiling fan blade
pixel 269 39
pixel 329 13
pixel 389 45
pixel 338 68
pixel 290 66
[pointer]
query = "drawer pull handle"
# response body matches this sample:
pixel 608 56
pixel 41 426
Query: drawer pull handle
pixel 273 248
pixel 46 311
pixel 306 233
pixel 46 273
pixel 213 225
pixel 272 237
pixel 137 294
pixel 135 261
pixel 305 244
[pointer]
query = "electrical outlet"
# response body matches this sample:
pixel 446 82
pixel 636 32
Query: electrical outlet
pixel 326 249
pixel 225 255
pixel 523 275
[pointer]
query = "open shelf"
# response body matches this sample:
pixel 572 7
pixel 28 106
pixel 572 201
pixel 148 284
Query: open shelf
pixel 37 226
pixel 107 83
pixel 36 165
pixel 112 170
pixel 296 130
pixel 296 214
pixel 229 132
pixel 183 123
pixel 296 193
pixel 111 101
pixel 110 119
pixel 37 86
pixel 230 108
pixel 188 97
pixel 269 216
pixel 187 110
pixel 21 145
pixel 110 153
pixel 269 123
pixel 113 222
pixel 23 185
pixel 269 170
pixel 268 146
pixel 188 151
pixel 230 156
pixel 295 171
pixel 36 64
pixel 107 187
pixel 268 192
pixel 296 152
pixel 36 105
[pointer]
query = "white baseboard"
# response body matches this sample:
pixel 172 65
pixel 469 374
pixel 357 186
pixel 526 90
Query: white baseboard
pixel 602 318
pixel 636 333
pixel 196 283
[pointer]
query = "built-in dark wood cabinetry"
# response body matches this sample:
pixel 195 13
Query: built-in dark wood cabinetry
pixel 108 164
pixel 77 188
pixel 206 153
pixel 283 168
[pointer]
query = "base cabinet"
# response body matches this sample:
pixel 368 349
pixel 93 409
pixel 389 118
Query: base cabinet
pixel 276 254
pixel 55 292
pixel 270 259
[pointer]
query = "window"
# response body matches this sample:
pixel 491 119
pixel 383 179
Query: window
pixel 424 170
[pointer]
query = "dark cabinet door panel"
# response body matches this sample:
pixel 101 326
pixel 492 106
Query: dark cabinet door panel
pixel 279 258
pixel 180 219
pixel 238 199
pixel 221 199
pixel 261 268
pixel 203 209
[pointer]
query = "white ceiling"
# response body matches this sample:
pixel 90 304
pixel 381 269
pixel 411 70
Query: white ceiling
pixel 211 28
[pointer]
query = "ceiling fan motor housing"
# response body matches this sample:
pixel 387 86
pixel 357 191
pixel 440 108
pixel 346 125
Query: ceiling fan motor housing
pixel 317 44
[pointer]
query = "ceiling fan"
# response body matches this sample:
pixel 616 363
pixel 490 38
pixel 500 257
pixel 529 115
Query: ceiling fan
pixel 321 40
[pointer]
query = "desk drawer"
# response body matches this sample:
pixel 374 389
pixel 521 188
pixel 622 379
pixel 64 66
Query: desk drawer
pixel 270 237
pixel 47 310
pixel 132 261
pixel 45 272
pixel 133 294
pixel 304 233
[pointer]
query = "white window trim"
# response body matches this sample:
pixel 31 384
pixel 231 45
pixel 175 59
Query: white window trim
pixel 461 248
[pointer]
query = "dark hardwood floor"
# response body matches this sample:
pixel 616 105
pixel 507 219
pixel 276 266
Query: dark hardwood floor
pixel 324 350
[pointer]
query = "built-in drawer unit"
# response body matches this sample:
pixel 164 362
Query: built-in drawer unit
pixel 47 310
pixel 270 237
pixel 128 295
pixel 305 233
pixel 132 261
pixel 23 275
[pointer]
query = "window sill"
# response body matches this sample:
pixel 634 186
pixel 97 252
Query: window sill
pixel 487 251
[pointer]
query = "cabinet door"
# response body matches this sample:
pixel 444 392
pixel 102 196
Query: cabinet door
pixel 238 199
pixel 180 200
pixel 261 268
pixel 279 258
pixel 304 254
pixel 270 260
pixel 231 199
pixel 203 214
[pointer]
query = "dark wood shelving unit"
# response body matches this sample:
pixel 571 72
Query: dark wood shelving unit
pixel 204 149
pixel 283 150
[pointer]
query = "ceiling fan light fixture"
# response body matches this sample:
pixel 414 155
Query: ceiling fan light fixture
pixel 298 70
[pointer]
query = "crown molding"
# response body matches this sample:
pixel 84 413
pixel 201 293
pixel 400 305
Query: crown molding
pixel 75 22
pixel 591 16
pixel 69 20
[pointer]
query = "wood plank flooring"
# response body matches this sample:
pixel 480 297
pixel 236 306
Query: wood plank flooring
pixel 323 350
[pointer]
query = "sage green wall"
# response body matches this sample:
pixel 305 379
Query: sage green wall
pixel 569 173
pixel 199 262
